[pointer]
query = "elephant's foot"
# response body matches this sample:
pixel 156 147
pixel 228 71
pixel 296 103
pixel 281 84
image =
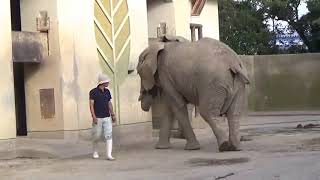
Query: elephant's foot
pixel 226 146
pixel 161 145
pixel 192 146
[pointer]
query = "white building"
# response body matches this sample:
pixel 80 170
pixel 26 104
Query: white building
pixel 79 39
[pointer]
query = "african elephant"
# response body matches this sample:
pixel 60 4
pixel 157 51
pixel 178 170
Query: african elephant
pixel 206 73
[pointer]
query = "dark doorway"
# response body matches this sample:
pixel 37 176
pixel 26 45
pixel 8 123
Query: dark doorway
pixel 18 73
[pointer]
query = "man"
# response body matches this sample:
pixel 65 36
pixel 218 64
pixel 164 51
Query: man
pixel 102 116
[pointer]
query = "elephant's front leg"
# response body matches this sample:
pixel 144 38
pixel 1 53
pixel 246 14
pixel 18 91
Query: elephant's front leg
pixel 165 131
pixel 182 115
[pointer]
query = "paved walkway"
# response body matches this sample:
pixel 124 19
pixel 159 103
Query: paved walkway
pixel 272 149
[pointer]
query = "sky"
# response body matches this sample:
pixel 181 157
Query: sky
pixel 303 9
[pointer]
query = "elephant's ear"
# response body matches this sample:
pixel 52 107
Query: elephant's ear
pixel 148 65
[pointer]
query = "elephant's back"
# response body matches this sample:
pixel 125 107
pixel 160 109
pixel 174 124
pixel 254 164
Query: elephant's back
pixel 205 56
pixel 193 65
pixel 202 50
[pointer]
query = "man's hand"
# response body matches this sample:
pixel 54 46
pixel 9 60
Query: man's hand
pixel 114 118
pixel 113 115
pixel 94 120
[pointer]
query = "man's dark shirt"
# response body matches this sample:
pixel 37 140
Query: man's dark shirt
pixel 101 102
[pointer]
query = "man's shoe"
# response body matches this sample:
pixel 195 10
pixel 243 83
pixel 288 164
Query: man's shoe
pixel 109 150
pixel 95 155
pixel 111 159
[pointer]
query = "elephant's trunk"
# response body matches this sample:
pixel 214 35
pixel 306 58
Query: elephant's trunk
pixel 146 101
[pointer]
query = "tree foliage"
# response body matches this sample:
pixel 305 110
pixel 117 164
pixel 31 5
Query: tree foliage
pixel 242 27
pixel 288 11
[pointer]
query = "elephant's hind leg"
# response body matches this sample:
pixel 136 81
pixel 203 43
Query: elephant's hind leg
pixel 218 131
pixel 234 133
pixel 211 104
pixel 234 115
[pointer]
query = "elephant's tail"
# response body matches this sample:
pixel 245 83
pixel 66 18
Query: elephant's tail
pixel 240 71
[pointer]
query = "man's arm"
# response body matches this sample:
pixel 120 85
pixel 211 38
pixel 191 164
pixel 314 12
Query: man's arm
pixel 93 115
pixel 112 112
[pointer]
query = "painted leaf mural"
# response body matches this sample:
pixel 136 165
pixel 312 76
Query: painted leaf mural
pixel 112 31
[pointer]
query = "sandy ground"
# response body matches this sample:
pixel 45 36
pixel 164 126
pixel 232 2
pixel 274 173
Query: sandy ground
pixel 273 149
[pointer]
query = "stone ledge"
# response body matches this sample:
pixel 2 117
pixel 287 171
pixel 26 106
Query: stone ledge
pixel 284 113
pixel 8 149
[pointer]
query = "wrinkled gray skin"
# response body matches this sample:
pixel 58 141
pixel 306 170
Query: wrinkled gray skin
pixel 206 73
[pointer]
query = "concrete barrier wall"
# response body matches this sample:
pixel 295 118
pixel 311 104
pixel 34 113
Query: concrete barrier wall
pixel 284 82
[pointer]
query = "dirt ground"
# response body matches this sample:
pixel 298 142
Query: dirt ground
pixel 272 149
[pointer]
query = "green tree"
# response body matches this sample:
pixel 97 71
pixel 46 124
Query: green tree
pixel 243 27
pixel 314 17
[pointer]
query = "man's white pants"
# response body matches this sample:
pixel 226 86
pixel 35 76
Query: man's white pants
pixel 103 127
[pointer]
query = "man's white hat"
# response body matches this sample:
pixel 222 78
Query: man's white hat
pixel 103 78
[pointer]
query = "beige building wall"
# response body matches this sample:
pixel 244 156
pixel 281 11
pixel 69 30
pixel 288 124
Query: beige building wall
pixel 30 10
pixel 7 106
pixel 45 75
pixel 72 64
pixel 71 67
pixel 160 11
pixel 182 18
pixel 79 61
pixel 177 14
pixel 139 30
pixel 209 18
pixel 130 108
pixel 129 90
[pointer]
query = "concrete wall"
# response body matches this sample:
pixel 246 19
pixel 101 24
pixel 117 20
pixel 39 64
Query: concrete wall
pixel 7 107
pixel 209 18
pixel 284 82
pixel 161 11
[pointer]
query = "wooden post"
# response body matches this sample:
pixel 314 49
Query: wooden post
pixel 193 28
pixel 200 32
pixel 193 33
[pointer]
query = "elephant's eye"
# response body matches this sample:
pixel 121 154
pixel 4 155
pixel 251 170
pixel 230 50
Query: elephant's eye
pixel 140 65
pixel 141 60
